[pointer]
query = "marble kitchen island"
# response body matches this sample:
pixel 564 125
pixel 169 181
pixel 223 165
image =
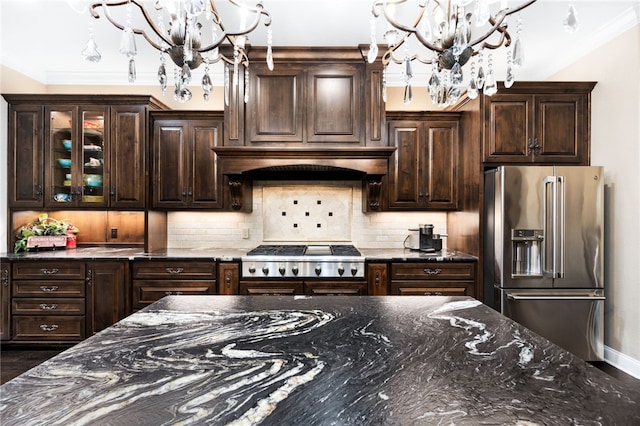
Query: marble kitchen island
pixel 332 360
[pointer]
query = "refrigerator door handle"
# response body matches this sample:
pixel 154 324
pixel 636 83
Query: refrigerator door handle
pixel 512 296
pixel 553 206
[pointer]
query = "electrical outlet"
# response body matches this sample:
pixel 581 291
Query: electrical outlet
pixel 245 233
pixel 114 232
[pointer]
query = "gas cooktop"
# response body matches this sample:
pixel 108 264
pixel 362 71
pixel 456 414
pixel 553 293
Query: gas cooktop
pixel 304 250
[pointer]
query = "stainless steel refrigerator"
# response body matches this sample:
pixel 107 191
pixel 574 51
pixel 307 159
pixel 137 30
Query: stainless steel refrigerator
pixel 544 252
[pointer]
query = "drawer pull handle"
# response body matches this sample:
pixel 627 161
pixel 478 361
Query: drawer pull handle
pixel 175 271
pixel 48 289
pixel 45 327
pixel 169 293
pixel 49 271
pixel 46 307
pixel 228 279
pixel 430 271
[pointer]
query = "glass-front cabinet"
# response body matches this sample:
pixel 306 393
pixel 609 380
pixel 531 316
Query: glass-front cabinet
pixel 78 151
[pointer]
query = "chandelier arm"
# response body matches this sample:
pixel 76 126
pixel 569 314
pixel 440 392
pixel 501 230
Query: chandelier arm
pixel 105 7
pixel 496 25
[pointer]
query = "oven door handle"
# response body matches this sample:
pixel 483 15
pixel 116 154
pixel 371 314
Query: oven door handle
pixel 511 296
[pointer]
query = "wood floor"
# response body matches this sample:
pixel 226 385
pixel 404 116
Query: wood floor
pixel 15 361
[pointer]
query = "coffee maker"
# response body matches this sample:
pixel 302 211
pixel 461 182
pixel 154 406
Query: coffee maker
pixel 423 239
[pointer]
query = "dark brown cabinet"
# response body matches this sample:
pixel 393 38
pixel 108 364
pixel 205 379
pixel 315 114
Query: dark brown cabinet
pixel 154 279
pixel 228 278
pixel 378 279
pixel 48 301
pixel 73 151
pixel 5 300
pixel 343 287
pixel 107 294
pixel 541 123
pixel 313 97
pixel 423 170
pixel 185 172
pixel 26 155
pixel 433 278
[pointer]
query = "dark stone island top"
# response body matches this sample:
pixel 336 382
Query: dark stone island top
pixel 246 360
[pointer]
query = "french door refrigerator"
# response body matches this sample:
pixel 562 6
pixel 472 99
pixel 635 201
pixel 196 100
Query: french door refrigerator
pixel 544 252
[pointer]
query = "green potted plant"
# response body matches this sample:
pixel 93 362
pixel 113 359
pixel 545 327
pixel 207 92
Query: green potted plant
pixel 43 226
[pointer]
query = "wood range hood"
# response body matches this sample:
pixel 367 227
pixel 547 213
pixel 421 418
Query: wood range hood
pixel 242 164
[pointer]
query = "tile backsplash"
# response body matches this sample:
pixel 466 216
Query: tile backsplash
pixel 299 212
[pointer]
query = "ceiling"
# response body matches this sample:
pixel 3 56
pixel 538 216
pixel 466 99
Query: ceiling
pixel 43 39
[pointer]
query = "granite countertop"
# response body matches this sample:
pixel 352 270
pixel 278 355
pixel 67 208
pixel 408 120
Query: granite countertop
pixel 225 254
pixel 276 360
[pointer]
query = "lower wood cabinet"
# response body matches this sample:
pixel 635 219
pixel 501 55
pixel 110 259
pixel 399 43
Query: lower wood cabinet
pixel 48 302
pixel 5 300
pixel 107 294
pixel 377 279
pixel 154 279
pixel 433 278
pixel 306 287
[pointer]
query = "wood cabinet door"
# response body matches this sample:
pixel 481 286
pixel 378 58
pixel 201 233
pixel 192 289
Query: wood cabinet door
pixel 169 164
pixel 127 157
pixel 276 105
pixel 107 294
pixel 26 152
pixel 405 190
pixel 205 178
pixel 377 279
pixel 440 167
pixel 508 128
pixel 334 105
pixel 5 301
pixel 561 121
pixel 228 278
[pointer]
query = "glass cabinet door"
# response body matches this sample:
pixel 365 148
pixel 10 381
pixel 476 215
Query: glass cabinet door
pixel 76 156
pixel 92 156
pixel 61 156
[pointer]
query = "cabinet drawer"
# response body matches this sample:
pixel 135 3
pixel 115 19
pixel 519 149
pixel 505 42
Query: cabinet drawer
pixel 271 288
pixel 147 292
pixel 337 288
pixel 174 270
pixel 48 288
pixel 48 306
pixel 409 290
pixel 433 271
pixel 48 327
pixel 48 270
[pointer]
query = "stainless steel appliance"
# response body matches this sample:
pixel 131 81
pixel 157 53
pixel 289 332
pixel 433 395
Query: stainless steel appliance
pixel 303 261
pixel 544 252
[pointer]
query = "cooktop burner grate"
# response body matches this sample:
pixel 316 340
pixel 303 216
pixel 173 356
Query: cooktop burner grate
pixel 301 250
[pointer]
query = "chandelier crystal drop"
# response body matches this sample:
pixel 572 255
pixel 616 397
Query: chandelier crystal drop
pixel 183 40
pixel 447 34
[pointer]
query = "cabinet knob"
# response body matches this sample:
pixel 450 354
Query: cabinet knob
pixel 39 192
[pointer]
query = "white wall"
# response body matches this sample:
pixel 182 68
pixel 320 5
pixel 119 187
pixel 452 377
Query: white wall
pixel 615 135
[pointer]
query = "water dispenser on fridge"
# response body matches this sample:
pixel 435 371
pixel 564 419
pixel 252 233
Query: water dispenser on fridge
pixel 526 252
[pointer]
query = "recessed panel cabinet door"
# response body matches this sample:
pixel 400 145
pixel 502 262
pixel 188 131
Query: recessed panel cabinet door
pixel 127 165
pixel 334 105
pixel 26 152
pixel 275 108
pixel 205 177
pixel 107 294
pixel 508 128
pixel 404 168
pixel 169 164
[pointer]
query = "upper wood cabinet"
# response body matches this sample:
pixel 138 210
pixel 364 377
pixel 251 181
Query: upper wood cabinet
pixel 70 151
pixel 541 123
pixel 423 170
pixel 319 97
pixel 185 172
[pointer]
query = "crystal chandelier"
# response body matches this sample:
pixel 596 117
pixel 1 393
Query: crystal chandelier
pixel 452 31
pixel 183 41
